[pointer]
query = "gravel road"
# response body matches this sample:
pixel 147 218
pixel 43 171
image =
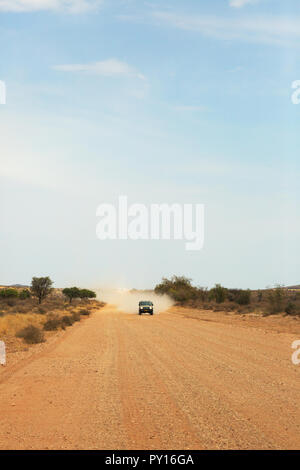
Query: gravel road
pixel 123 381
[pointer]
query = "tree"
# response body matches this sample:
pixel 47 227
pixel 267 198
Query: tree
pixel 178 288
pixel 71 293
pixel 87 294
pixel 41 287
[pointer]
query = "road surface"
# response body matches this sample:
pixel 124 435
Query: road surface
pixel 123 381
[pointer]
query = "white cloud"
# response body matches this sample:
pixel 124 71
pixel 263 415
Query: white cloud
pixel 107 68
pixel 71 6
pixel 241 3
pixel 267 30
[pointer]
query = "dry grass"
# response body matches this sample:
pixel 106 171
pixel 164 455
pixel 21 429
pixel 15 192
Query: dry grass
pixel 10 324
pixel 27 312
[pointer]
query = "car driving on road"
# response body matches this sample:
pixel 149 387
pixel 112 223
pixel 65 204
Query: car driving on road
pixel 145 306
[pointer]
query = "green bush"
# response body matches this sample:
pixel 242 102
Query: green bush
pixel 31 335
pixel 179 288
pixel 8 293
pixel 24 294
pixel 218 293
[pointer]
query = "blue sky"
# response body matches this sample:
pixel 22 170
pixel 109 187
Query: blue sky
pixel 165 102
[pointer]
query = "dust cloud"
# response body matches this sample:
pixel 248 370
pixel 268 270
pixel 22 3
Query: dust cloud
pixel 127 300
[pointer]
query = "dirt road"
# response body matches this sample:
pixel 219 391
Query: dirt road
pixel 120 381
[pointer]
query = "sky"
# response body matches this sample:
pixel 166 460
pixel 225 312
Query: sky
pixel 164 102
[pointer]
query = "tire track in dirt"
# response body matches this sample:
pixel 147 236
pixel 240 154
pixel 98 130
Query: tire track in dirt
pixel 237 404
pixel 153 415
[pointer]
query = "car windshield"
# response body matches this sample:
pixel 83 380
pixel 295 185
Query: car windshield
pixel 145 302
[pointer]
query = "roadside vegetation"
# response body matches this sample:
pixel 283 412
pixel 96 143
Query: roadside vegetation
pixel 270 301
pixel 30 313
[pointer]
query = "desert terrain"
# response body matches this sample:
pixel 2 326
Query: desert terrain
pixel 182 379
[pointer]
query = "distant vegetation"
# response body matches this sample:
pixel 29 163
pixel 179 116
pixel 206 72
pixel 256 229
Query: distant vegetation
pixel 267 301
pixel 30 312
pixel 75 293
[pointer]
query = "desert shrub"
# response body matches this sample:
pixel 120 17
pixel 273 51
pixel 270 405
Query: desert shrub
pixel 24 294
pixel 230 308
pixel 232 294
pixel 218 293
pixel 8 293
pixel 31 334
pixel 218 309
pixel 22 309
pixel 243 297
pixel 52 323
pixel 178 288
pixel 84 311
pixel 52 303
pixel 206 306
pixel 276 300
pixel 76 316
pixel 12 311
pixel 239 296
pixel 291 309
pixel 66 320
pixel 227 308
